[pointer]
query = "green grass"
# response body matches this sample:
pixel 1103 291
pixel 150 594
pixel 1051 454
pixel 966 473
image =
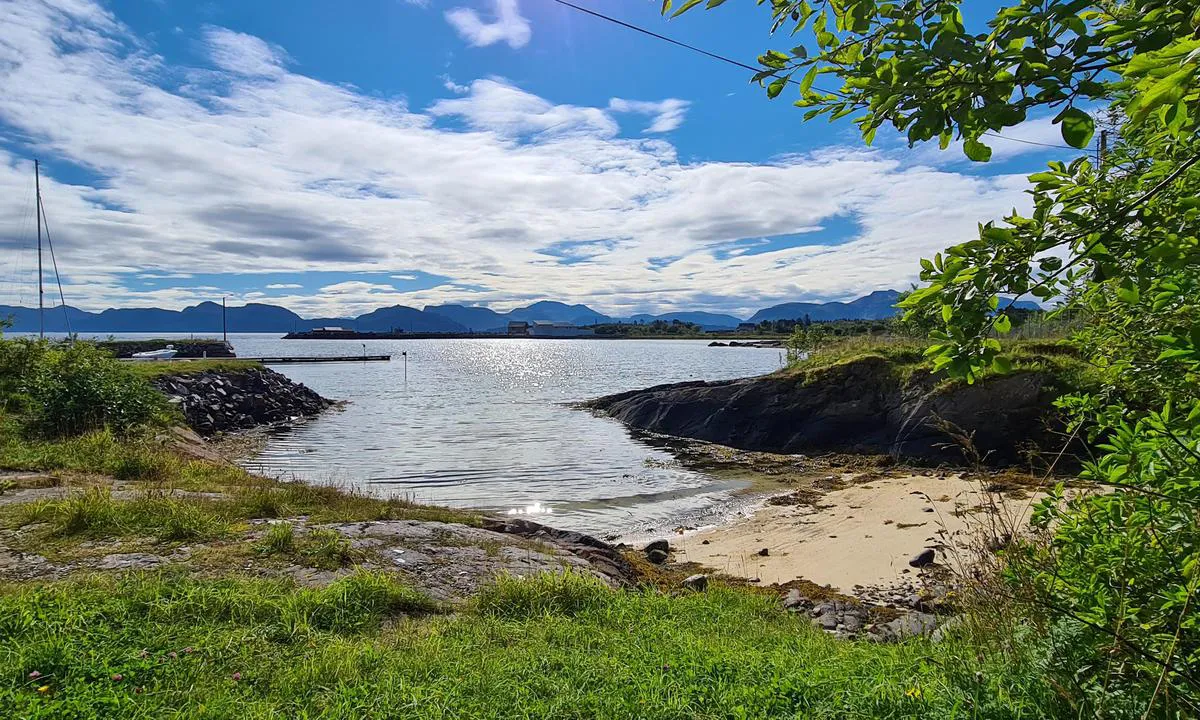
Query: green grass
pixel 150 369
pixel 546 647
pixel 906 358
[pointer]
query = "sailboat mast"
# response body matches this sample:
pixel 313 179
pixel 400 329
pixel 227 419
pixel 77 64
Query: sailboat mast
pixel 37 184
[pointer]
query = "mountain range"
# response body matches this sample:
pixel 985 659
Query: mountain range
pixel 259 317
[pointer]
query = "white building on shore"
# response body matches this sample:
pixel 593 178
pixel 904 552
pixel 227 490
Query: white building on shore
pixel 546 328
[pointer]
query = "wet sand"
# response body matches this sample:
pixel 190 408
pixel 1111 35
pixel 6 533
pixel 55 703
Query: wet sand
pixel 863 534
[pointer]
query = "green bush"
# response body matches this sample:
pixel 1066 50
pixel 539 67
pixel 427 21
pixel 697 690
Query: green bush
pixel 77 388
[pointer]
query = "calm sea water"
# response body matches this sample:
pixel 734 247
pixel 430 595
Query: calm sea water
pixel 487 424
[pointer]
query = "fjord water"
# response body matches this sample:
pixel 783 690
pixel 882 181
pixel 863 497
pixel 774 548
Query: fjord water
pixel 487 424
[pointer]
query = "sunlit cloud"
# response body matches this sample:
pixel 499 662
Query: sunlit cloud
pixel 244 165
pixel 507 25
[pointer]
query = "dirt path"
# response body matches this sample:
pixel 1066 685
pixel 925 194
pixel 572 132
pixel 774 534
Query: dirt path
pixel 861 535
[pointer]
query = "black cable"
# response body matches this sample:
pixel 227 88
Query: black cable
pixel 744 66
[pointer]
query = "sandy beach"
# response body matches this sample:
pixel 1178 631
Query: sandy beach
pixel 862 534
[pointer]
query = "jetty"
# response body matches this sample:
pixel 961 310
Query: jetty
pixel 280 360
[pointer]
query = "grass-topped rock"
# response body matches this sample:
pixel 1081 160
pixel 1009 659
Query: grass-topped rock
pixel 874 397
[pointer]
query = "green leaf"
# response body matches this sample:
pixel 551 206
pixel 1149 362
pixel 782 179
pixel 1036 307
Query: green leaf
pixel 947 313
pixel 1077 127
pixel 1002 365
pixel 977 151
pixel 776 87
pixel 685 7
pixel 807 81
pixel 1002 323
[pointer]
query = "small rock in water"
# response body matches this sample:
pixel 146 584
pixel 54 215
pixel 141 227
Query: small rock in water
pixel 923 558
pixel 704 542
pixel 764 552
pixel 699 583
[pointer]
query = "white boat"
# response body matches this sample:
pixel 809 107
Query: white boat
pixel 165 354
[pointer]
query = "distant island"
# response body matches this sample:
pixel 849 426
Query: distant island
pixel 206 317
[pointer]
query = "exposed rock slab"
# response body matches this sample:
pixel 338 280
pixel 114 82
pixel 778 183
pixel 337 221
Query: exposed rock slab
pixel 450 561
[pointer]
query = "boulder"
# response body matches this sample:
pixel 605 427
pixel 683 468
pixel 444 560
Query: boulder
pixel 656 556
pixel 923 558
pixel 827 621
pixel 795 600
pixel 698 583
pixel 914 624
pixel 657 545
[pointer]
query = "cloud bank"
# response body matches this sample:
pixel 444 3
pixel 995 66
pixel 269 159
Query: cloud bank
pixel 245 166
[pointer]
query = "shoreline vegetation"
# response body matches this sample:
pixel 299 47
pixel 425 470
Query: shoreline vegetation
pixel 143 571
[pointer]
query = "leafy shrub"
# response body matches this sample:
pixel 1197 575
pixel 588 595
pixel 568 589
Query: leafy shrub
pixel 79 388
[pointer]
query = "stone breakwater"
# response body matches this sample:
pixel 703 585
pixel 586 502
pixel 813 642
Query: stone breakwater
pixel 224 401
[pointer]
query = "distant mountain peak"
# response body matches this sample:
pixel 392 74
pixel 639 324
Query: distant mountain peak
pixel 205 317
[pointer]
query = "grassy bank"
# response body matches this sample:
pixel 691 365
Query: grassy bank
pixel 561 647
pixel 223 626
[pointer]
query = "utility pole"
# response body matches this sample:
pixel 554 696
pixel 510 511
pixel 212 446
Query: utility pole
pixel 37 185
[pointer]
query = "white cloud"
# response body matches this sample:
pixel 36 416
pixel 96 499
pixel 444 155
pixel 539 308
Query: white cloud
pixel 449 84
pixel 243 54
pixel 403 277
pixel 494 105
pixel 668 114
pixel 284 286
pixel 508 25
pixel 254 168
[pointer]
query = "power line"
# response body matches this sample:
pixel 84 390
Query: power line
pixel 744 66
pixel 653 34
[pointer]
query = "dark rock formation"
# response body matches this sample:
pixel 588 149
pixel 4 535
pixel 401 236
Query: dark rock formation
pixel 860 406
pixel 657 545
pixel 223 401
pixel 603 557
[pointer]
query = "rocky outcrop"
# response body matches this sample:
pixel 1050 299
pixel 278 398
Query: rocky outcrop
pixel 862 406
pixel 223 401
pixel 183 348
pixel 605 558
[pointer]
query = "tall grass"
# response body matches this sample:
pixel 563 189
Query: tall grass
pixel 366 647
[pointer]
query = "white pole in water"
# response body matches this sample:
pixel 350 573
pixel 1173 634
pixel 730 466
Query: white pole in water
pixel 405 356
pixel 364 352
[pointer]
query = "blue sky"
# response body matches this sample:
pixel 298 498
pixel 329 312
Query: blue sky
pixel 336 157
